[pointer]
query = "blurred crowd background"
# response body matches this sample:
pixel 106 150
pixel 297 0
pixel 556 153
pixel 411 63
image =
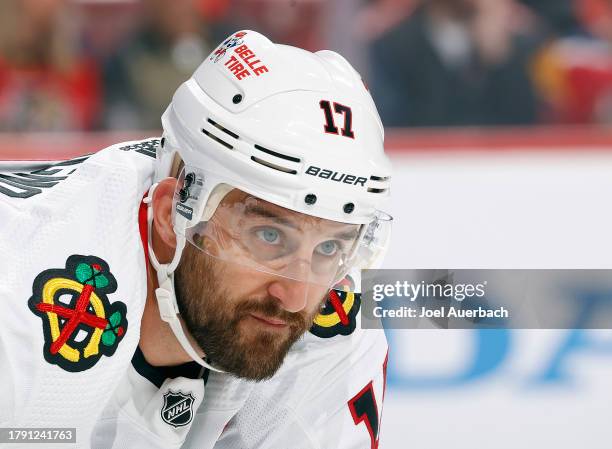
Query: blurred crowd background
pixel 88 65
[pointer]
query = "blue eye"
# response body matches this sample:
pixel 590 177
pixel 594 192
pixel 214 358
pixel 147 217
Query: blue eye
pixel 269 235
pixel 328 248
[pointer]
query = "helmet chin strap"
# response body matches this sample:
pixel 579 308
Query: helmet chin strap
pixel 166 297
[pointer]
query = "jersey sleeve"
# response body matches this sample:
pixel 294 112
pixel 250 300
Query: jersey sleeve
pixel 73 286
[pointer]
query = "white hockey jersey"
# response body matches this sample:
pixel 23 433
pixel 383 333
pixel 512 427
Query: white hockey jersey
pixel 73 288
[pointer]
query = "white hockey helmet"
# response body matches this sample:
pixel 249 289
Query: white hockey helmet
pixel 287 127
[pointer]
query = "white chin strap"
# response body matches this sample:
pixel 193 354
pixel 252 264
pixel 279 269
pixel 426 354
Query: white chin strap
pixel 166 297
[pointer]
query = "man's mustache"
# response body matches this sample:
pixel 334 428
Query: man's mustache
pixel 269 307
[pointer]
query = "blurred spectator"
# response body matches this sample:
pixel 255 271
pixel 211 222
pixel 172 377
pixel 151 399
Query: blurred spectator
pixel 596 16
pixel 574 74
pixel 456 62
pixel 378 16
pixel 557 16
pixel 142 75
pixel 293 22
pixel 46 83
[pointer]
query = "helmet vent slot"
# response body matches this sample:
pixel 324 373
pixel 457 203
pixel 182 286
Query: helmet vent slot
pixel 279 155
pixel 216 139
pixel 378 184
pixel 222 128
pixel 379 178
pixel 273 166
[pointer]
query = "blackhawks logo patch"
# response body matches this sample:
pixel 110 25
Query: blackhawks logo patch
pixel 80 324
pixel 339 315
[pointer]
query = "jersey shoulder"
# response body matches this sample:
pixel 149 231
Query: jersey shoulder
pixel 73 278
pixel 22 180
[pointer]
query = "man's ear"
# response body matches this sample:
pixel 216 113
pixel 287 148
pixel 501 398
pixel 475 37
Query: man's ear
pixel 162 211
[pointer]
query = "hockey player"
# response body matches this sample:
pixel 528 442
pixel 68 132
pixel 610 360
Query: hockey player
pixel 177 292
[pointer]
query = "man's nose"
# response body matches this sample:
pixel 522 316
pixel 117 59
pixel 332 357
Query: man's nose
pixel 292 294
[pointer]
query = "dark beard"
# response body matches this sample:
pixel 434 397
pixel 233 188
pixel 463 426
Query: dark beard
pixel 213 318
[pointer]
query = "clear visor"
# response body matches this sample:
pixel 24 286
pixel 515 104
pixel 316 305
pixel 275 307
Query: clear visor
pixel 240 228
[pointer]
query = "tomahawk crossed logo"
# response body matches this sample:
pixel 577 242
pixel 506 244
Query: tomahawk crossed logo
pixel 90 278
pixel 77 315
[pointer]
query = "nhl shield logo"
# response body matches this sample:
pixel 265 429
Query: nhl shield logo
pixel 178 408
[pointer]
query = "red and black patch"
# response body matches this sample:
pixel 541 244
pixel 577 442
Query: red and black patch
pixel 80 324
pixel 339 315
pixel 363 409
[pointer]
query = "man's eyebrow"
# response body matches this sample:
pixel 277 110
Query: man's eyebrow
pixel 260 211
pixel 348 235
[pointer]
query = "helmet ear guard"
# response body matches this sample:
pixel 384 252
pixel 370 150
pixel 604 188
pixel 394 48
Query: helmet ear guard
pixel 189 198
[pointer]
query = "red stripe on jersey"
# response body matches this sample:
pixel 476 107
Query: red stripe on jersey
pixel 143 228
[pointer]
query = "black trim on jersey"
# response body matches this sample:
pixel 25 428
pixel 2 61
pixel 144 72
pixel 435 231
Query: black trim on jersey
pixel 364 409
pixel 158 374
pixel 146 147
pixel 31 183
pixel 28 184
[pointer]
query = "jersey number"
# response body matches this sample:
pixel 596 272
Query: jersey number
pixel 330 127
pixel 364 409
